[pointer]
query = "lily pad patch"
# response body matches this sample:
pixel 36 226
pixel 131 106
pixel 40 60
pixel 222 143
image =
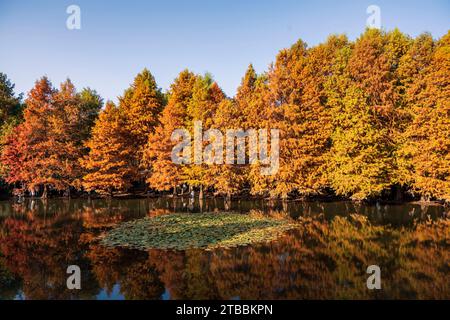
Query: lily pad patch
pixel 206 230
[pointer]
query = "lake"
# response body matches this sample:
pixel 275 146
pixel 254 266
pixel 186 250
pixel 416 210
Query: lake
pixel 326 257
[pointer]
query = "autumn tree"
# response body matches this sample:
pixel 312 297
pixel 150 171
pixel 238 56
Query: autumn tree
pixel 71 125
pixel 26 154
pixel 298 108
pixel 313 118
pixel 412 70
pixel 206 97
pixel 245 112
pixel 13 157
pixel 364 101
pixel 283 106
pixel 164 174
pixel 109 163
pixel 426 147
pixel 43 152
pixel 226 178
pixel 140 107
pixel 364 120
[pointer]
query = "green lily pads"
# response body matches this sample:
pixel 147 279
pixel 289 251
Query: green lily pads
pixel 207 230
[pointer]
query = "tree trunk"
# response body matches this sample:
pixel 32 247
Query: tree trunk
pixel 285 205
pixel 45 193
pixel 398 194
pixel 200 194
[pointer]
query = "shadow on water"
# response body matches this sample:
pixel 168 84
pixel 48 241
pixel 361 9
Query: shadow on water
pixel 325 258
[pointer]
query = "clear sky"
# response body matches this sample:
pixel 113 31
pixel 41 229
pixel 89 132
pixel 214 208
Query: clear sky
pixel 119 38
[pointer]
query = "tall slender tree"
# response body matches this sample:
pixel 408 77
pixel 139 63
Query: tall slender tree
pixel 413 68
pixel 10 115
pixel 365 102
pixel 206 97
pixel 164 174
pixel 427 150
pixel 108 164
pixel 140 108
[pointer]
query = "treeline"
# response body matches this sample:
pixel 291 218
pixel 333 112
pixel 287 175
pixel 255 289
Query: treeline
pixel 365 119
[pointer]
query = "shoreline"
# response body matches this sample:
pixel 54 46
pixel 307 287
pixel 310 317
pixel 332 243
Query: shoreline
pixel 325 199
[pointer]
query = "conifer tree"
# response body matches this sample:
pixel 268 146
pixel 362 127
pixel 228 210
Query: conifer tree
pixel 49 143
pixel 299 109
pixel 248 111
pixel 108 165
pixel 90 104
pixel 206 97
pixel 283 108
pixel 10 114
pixel 164 174
pixel 426 152
pixel 360 119
pixel 364 100
pixel 140 108
pixel 412 69
pixel 227 178
pixel 64 146
pixel 313 118
pixel 35 152
pixel 71 124
pixel 10 104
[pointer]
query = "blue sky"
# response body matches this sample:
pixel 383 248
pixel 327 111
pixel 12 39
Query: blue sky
pixel 119 38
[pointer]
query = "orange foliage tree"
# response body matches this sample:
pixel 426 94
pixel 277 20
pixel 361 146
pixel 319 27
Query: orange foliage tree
pixel 109 163
pixel 164 174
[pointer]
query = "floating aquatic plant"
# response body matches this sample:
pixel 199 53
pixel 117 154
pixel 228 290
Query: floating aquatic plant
pixel 206 230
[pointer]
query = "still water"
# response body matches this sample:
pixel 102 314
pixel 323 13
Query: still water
pixel 325 258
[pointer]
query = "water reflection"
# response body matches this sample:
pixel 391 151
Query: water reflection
pixel 326 258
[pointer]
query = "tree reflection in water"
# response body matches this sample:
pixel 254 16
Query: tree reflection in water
pixel 325 258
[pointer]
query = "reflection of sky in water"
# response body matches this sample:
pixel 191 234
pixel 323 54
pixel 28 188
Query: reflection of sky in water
pixel 117 295
pixel 165 295
pixel 114 295
pixel 19 296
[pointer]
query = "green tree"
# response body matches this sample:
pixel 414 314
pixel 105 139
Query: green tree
pixel 11 109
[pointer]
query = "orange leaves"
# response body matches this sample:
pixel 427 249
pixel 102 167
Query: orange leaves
pixel 355 119
pixel 44 150
pixel 108 164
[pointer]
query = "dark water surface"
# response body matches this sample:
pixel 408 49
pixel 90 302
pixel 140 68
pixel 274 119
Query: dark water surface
pixel 325 258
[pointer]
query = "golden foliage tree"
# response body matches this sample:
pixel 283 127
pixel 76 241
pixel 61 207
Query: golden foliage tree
pixel 164 174
pixel 364 101
pixel 426 149
pixel 202 107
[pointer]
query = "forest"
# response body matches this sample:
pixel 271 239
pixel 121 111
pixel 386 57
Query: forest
pixel 363 120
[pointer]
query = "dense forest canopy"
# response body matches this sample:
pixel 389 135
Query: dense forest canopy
pixel 361 119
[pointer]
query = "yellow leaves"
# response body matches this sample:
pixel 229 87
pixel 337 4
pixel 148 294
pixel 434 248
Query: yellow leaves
pixel 356 118
pixel 423 153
